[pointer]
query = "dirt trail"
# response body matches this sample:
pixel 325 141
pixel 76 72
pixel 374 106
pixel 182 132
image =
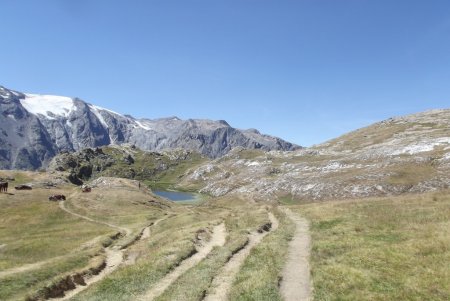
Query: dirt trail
pixel 218 239
pixel 296 283
pixel 222 283
pixel 132 256
pixel 28 267
pixel 147 231
pixel 114 254
pixel 122 229
pixel 36 265
pixel 114 257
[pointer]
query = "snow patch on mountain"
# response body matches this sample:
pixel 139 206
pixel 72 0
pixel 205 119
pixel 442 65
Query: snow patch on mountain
pixel 96 111
pixel 142 125
pixel 108 110
pixel 49 106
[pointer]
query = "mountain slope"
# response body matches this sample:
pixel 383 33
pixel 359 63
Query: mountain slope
pixel 400 155
pixel 24 141
pixel 36 127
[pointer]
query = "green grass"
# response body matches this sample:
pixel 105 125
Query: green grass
pixel 395 248
pixel 20 177
pixel 195 283
pixel 260 274
pixel 122 206
pixel 381 249
pixel 34 230
pixel 20 285
pixel 410 173
pixel 171 241
pixel 158 171
pixel 288 200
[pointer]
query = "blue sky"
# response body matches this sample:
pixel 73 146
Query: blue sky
pixel 305 70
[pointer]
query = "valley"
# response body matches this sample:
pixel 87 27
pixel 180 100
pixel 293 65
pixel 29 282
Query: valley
pixel 225 150
pixel 365 216
pixel 129 244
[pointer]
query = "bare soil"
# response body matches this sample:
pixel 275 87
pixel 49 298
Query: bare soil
pixel 296 283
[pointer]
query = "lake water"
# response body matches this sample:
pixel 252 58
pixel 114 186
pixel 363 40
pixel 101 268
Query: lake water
pixel 176 196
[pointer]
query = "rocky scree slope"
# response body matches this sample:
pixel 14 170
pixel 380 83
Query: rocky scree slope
pixel 36 127
pixel 400 155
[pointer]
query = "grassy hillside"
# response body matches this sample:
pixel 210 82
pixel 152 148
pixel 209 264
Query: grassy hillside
pixel 39 241
pixel 395 248
pixel 392 248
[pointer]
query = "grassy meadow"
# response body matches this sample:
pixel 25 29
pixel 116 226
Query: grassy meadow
pixel 40 241
pixel 393 248
pixel 259 276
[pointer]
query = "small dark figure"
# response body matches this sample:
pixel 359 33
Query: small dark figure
pixel 57 197
pixel 3 186
pixel 23 187
pixel 85 188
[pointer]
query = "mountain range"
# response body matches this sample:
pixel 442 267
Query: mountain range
pixel 35 128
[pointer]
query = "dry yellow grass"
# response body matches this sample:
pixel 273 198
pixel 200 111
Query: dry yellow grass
pixel 381 249
pixel 39 241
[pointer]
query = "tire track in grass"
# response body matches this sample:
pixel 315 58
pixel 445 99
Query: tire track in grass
pixel 222 283
pixel 218 239
pixel 114 254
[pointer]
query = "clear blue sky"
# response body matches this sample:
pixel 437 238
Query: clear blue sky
pixel 304 70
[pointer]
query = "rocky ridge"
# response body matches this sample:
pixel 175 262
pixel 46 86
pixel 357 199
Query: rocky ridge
pixel 37 127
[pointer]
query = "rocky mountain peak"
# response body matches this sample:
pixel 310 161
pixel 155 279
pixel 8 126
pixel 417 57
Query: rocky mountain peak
pixel 59 123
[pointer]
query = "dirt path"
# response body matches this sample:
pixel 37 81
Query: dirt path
pixel 62 205
pixel 36 265
pixel 132 256
pixel 223 282
pixel 28 267
pixel 147 230
pixel 114 257
pixel 114 254
pixel 39 264
pixel 296 283
pixel 218 239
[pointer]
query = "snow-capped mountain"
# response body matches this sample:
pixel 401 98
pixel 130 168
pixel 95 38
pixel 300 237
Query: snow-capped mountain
pixel 34 128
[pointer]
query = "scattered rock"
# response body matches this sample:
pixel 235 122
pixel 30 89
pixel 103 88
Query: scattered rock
pixel 265 228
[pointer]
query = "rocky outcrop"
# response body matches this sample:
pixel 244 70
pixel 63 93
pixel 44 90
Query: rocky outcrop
pixel 125 161
pixel 36 127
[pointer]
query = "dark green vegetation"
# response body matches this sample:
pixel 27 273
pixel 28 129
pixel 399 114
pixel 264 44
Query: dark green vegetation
pixel 158 170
